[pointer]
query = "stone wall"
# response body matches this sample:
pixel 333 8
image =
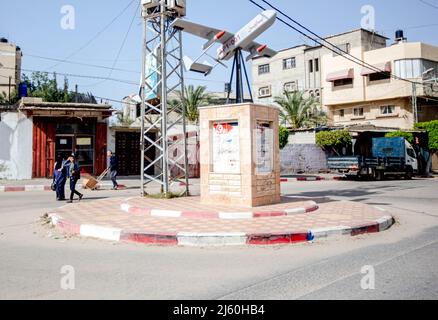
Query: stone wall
pixel 302 158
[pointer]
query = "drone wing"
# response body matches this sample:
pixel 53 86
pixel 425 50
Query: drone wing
pixel 202 31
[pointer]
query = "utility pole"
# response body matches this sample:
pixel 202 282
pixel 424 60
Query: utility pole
pixel 76 94
pixel 10 84
pixel 163 127
pixel 414 103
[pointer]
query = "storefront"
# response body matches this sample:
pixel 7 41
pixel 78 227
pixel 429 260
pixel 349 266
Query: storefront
pixel 64 129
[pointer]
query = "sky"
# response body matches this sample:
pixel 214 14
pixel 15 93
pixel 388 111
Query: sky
pixel 35 26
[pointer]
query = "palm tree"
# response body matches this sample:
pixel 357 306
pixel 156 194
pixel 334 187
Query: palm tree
pixel 193 99
pixel 300 111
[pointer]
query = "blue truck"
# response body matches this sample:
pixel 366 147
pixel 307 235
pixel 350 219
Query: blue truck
pixel 389 157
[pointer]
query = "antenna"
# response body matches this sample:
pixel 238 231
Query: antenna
pixel 163 153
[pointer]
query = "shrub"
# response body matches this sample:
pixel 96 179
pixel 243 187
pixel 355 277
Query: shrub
pixel 432 129
pixel 333 139
pixel 401 134
pixel 284 137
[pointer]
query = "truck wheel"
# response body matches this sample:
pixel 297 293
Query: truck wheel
pixel 379 175
pixel 409 175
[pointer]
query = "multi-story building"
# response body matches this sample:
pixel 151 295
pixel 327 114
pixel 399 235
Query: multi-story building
pixel 397 97
pixel 353 93
pixel 10 67
pixel 300 67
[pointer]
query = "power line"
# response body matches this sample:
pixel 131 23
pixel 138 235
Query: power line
pixel 121 47
pixel 97 35
pixel 429 4
pixel 337 50
pixel 78 76
pixel 109 68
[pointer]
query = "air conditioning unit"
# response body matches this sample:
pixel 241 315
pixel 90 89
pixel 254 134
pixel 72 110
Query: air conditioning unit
pixel 177 6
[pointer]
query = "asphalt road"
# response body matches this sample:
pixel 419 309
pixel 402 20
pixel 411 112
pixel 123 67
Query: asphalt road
pixel 404 259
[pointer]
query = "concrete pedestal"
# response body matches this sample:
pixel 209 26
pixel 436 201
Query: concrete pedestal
pixel 240 155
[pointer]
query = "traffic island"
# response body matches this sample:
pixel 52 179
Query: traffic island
pixel 106 220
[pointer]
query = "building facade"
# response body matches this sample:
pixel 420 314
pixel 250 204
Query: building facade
pixel 33 133
pixel 301 67
pixel 358 95
pixel 10 67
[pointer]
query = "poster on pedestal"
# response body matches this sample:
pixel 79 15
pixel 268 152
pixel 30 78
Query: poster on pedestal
pixel 264 148
pixel 226 148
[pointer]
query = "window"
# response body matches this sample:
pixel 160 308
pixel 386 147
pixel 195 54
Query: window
pixel 264 69
pixel 342 113
pixel 264 92
pixel 316 65
pixel 342 82
pixel 387 110
pixel 289 63
pixel 414 68
pixel 379 76
pixel 411 153
pixel 342 50
pixel 291 86
pixel 310 66
pixel 358 112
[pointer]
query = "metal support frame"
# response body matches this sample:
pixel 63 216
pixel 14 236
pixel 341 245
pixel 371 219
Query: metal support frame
pixel 165 111
pixel 238 66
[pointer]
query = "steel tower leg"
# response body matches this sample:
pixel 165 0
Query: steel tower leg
pixel 163 128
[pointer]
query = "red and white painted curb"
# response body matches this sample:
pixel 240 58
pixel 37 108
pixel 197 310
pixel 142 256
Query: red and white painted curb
pixel 32 188
pixel 311 179
pixel 191 239
pixel 310 206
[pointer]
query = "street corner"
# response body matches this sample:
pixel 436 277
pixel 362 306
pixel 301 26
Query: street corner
pixel 187 222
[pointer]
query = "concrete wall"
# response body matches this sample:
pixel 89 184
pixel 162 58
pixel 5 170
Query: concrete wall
pixel 16 132
pixel 302 158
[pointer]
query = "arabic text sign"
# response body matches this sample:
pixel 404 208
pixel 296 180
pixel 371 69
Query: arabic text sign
pixel 226 148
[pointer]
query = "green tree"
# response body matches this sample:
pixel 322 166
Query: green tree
pixel 193 99
pixel 300 111
pixel 432 130
pixel 284 137
pixel 401 134
pixel 333 140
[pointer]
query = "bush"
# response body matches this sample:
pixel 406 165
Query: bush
pixel 333 139
pixel 401 134
pixel 284 137
pixel 432 129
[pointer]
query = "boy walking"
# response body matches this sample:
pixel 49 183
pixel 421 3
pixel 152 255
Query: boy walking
pixel 74 174
pixel 113 166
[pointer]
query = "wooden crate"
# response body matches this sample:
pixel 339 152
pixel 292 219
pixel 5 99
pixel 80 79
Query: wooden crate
pixel 90 183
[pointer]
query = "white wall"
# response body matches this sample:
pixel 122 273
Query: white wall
pixel 16 132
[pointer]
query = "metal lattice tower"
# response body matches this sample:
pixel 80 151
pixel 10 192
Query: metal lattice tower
pixel 162 109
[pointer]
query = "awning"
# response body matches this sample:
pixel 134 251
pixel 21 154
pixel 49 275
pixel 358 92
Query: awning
pixel 384 67
pixel 341 75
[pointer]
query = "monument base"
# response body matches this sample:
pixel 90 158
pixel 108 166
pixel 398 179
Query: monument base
pixel 240 155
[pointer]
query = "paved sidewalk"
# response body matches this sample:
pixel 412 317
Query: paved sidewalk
pixel 105 220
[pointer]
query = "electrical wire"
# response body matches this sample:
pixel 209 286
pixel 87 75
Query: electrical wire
pixel 97 35
pixel 116 60
pixel 337 50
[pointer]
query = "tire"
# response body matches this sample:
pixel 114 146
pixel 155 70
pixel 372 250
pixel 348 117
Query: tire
pixel 379 176
pixel 409 175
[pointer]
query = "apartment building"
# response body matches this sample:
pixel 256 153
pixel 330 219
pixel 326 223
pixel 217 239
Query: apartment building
pixel 10 67
pixel 354 94
pixel 301 67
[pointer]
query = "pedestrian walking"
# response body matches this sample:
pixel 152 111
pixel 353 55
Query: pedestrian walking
pixel 113 168
pixel 60 178
pixel 74 174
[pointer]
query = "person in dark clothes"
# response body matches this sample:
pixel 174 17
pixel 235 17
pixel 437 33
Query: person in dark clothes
pixel 113 166
pixel 60 178
pixel 74 174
